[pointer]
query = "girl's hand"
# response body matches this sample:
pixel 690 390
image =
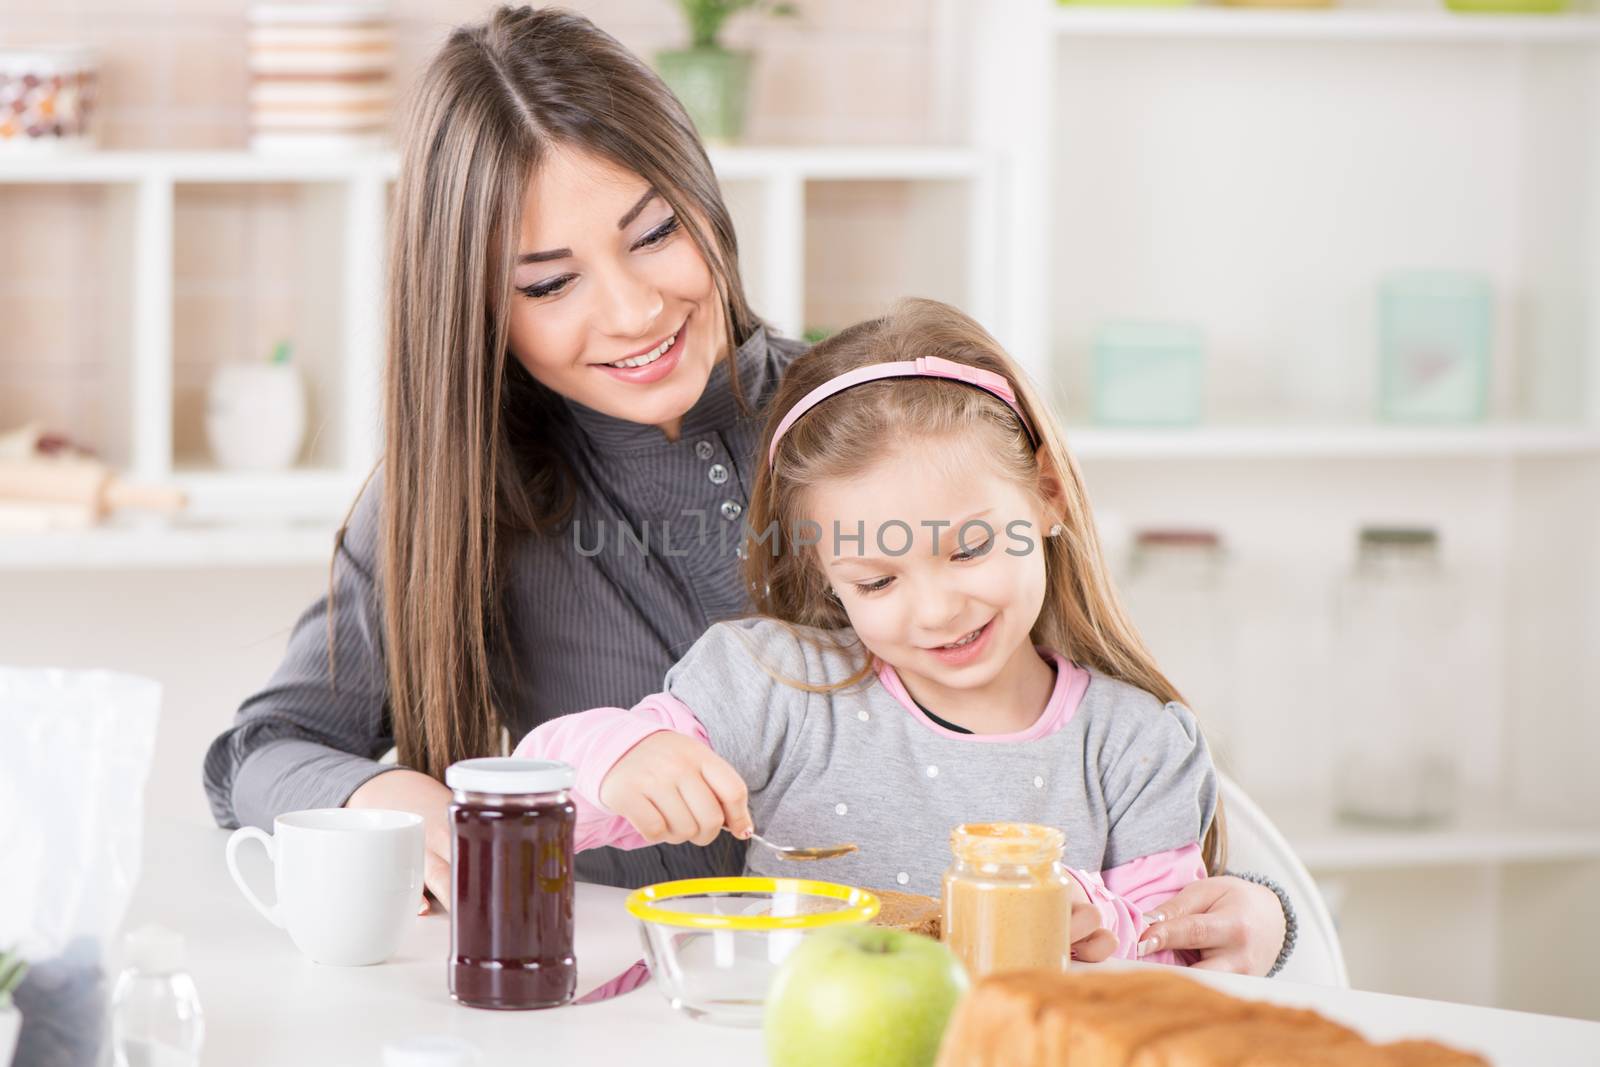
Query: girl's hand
pixel 1236 925
pixel 673 789
pixel 1091 942
pixel 413 791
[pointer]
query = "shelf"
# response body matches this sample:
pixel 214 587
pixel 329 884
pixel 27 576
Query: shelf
pixel 1482 835
pixel 169 546
pixel 232 520
pixel 736 164
pixel 288 517
pixel 1409 26
pixel 196 167
pixel 315 495
pixel 1335 442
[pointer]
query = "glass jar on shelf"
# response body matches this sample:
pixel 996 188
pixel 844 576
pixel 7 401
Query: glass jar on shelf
pixel 1396 760
pixel 1148 373
pixel 1177 594
pixel 1436 331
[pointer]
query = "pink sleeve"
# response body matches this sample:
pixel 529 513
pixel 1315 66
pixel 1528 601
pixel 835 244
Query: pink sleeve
pixel 1124 894
pixel 593 742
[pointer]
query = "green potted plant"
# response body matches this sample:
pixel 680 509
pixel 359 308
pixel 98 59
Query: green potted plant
pixel 711 81
pixel 12 969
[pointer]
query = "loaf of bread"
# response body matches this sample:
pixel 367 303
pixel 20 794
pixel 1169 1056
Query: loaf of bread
pixel 1153 1018
pixel 908 911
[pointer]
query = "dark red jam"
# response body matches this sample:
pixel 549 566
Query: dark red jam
pixel 511 922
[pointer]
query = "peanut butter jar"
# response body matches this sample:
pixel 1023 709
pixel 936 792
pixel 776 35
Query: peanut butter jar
pixel 1007 901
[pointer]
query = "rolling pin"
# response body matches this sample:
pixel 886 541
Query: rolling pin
pixel 82 483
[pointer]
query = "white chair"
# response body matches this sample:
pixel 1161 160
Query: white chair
pixel 1256 846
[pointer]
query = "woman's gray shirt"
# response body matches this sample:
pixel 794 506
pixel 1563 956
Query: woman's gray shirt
pixel 596 616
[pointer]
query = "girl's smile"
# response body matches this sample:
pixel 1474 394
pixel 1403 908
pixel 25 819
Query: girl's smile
pixel 965 649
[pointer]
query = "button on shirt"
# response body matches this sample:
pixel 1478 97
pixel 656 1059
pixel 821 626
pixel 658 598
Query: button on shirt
pixel 595 615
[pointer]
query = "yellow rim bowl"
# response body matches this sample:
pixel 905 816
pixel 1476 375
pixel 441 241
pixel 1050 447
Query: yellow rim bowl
pixel 644 904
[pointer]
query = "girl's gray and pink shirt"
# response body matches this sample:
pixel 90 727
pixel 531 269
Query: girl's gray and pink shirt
pixel 1126 777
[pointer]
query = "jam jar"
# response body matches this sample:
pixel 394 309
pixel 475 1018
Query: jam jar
pixel 1007 900
pixel 511 894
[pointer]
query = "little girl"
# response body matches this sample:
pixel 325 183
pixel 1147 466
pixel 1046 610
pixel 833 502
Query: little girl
pixel 938 643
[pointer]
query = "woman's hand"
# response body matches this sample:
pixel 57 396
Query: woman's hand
pixel 413 791
pixel 1091 942
pixel 1235 925
pixel 673 788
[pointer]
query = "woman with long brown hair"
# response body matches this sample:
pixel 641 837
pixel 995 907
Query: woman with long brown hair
pixel 572 409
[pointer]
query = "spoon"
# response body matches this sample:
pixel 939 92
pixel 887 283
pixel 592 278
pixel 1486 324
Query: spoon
pixel 792 852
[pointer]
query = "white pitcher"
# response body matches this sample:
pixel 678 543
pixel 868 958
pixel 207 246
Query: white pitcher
pixel 256 415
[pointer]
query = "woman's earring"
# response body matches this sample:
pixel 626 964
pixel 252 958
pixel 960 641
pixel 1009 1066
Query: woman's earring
pixel 1057 530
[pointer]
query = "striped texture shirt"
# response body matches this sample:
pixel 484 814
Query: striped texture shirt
pixel 596 614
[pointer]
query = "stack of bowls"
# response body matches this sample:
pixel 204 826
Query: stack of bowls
pixel 319 76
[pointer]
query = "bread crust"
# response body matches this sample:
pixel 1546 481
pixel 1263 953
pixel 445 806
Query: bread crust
pixel 1155 1018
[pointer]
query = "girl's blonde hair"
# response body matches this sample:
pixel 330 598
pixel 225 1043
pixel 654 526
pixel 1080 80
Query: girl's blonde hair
pixel 476 453
pixel 849 433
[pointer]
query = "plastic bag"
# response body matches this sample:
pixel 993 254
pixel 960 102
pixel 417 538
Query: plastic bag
pixel 75 751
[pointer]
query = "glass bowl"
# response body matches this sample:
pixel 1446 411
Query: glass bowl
pixel 714 944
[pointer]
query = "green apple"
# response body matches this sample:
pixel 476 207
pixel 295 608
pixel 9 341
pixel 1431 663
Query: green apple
pixel 862 996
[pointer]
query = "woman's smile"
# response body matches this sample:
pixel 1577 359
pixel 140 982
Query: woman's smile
pixel 652 365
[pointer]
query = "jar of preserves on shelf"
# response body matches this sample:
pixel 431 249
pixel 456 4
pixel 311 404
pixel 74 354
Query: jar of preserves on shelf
pixel 1007 899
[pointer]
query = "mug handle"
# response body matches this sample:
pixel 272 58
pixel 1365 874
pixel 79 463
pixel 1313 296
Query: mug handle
pixel 237 838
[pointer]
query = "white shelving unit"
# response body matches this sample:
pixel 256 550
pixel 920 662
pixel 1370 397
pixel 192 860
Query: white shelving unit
pixel 238 519
pixel 782 178
pixel 1481 836
pixel 1337 442
pixel 1255 173
pixel 1367 25
pixel 148 184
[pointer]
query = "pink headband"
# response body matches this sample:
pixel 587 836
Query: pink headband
pixel 922 367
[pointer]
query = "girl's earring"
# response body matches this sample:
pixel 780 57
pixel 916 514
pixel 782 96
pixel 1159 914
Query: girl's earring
pixel 1057 530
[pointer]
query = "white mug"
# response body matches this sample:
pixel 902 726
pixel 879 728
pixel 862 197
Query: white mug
pixel 349 880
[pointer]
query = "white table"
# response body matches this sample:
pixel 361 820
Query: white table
pixel 267 1004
